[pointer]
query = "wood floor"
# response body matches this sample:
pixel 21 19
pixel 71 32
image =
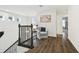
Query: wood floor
pixel 53 45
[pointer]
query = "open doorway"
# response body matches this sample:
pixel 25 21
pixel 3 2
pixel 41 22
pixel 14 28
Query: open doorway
pixel 65 27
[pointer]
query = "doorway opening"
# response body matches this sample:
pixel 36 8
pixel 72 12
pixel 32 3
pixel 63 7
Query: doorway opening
pixel 65 27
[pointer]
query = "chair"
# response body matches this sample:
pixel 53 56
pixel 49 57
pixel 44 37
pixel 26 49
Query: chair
pixel 42 33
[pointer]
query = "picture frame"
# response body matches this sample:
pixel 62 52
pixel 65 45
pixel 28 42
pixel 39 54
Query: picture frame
pixel 11 18
pixel 45 18
pixel 17 19
pixel 1 18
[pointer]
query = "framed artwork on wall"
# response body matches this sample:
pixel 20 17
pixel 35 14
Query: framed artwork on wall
pixel 17 19
pixel 10 18
pixel 45 18
pixel 1 18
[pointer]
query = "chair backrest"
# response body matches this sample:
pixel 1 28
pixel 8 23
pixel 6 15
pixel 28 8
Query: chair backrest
pixel 43 29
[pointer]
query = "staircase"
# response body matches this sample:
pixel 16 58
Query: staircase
pixel 16 49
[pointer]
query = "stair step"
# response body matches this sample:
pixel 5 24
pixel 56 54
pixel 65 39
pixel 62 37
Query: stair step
pixel 21 49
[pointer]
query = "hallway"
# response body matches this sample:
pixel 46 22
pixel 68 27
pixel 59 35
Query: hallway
pixel 53 45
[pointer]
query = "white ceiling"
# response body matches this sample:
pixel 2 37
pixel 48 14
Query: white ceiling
pixel 24 9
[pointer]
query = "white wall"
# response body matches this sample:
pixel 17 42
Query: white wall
pixel 25 20
pixel 10 32
pixel 73 28
pixel 10 35
pixel 59 23
pixel 10 29
pixel 51 26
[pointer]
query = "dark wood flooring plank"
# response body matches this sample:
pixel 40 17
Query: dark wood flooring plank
pixel 53 45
